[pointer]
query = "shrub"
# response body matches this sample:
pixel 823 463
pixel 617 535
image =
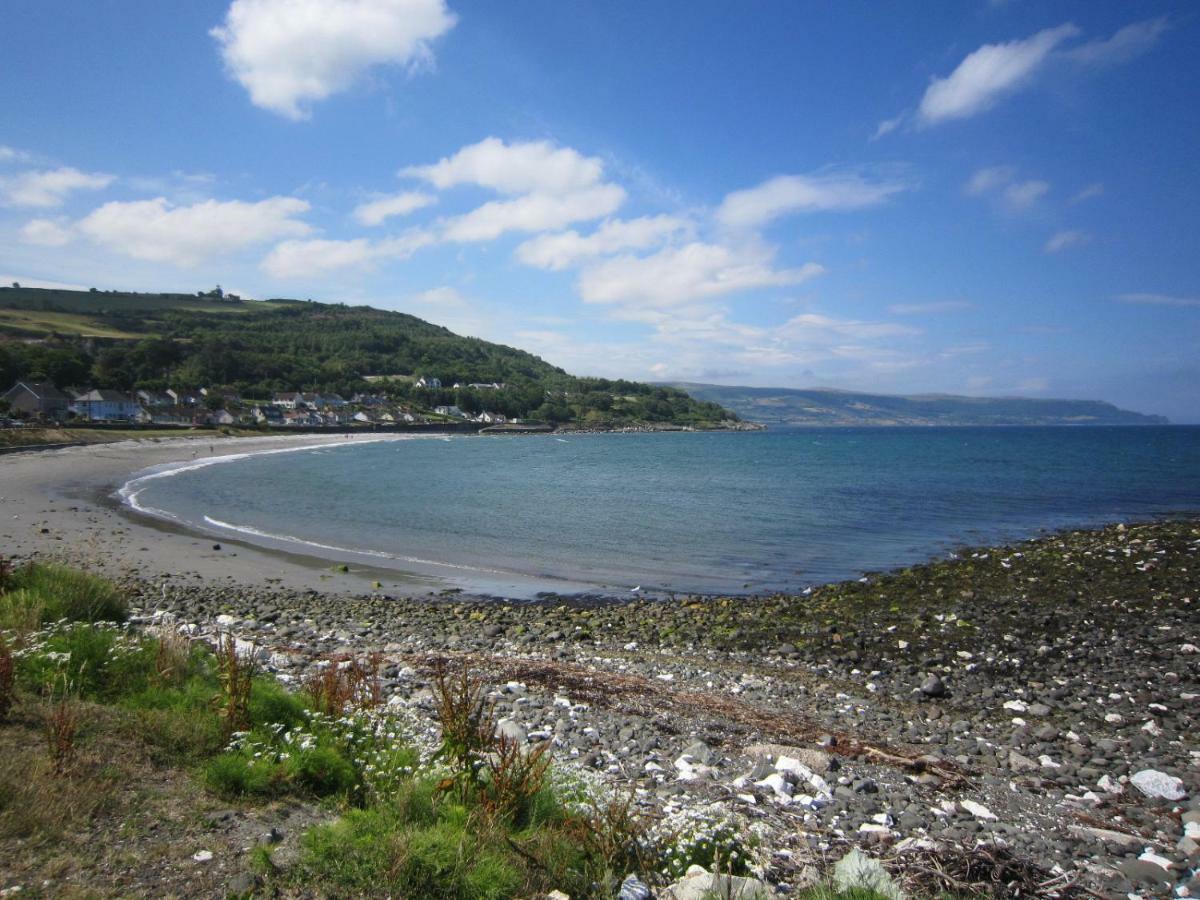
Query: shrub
pixel 70 594
pixel 21 611
pixel 345 682
pixel 468 723
pixel 235 672
pixel 61 725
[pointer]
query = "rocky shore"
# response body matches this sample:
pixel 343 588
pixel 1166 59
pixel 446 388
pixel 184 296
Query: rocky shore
pixel 1022 715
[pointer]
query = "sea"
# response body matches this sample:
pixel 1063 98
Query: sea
pixel 735 513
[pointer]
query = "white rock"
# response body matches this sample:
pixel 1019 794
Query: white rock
pixel 777 783
pixel 1192 830
pixel 1109 786
pixel 1016 705
pixel 857 871
pixel 1151 857
pixel 978 810
pixel 225 620
pixel 202 856
pixel 1153 783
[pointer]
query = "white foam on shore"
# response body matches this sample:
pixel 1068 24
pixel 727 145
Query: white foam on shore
pixel 130 495
pixel 378 554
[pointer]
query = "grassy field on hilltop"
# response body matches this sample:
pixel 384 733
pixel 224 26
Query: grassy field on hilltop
pixel 126 341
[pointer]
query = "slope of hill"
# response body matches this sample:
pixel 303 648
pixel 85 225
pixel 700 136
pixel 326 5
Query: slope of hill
pixel 124 341
pixel 785 406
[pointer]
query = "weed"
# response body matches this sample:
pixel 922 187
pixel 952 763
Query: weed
pixel 344 682
pixel 21 611
pixel 514 777
pixel 468 723
pixel 235 672
pixel 61 724
pixel 8 673
pixel 172 657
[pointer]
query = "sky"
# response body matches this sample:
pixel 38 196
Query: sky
pixel 984 197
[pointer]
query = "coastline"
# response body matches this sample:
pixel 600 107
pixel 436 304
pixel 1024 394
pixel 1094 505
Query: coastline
pixel 1010 695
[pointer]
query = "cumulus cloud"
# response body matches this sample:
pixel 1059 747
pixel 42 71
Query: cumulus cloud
pixel 290 53
pixel 569 248
pixel 187 235
pixel 1023 194
pixel 988 74
pixel 45 233
pixel 306 258
pixel 516 168
pixel 50 187
pixel 1064 239
pixel 12 154
pixel 1128 43
pixel 534 212
pixel 679 275
pixel 989 179
pixel 551 187
pixel 1148 299
pixel 376 212
pixel 786 194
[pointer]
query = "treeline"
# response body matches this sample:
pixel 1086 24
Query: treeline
pixel 256 349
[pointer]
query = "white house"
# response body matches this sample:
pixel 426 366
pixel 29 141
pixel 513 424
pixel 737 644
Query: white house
pixel 103 405
pixel 450 411
pixel 426 382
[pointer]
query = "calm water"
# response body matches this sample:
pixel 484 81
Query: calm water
pixel 740 513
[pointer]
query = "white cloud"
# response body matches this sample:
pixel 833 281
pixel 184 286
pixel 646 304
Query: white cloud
pixel 1147 299
pixel 289 53
pixel 518 168
pixel 444 297
pixel 679 275
pixel 306 258
pixel 987 74
pixel 887 126
pixel 534 212
pixel 989 179
pixel 1089 192
pixel 551 187
pixel 1129 42
pixel 1001 180
pixel 786 194
pixel 817 328
pixel 49 188
pixel 45 233
pixel 41 283
pixel 12 154
pixel 1023 194
pixel 1064 239
pixel 568 248
pixel 187 235
pixel 923 309
pixel 375 212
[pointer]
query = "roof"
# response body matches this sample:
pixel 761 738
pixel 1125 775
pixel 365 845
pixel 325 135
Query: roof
pixel 43 390
pixel 103 395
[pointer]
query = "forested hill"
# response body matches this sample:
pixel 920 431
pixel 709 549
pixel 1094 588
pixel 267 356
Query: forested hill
pixel 785 406
pixel 127 341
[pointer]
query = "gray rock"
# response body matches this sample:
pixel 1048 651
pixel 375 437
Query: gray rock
pixel 511 729
pixel 858 872
pixel 632 888
pixel 933 686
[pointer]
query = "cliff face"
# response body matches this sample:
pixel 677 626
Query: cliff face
pixel 785 406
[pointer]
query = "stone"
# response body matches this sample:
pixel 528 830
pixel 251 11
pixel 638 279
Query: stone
pixel 816 760
pixel 632 888
pixel 978 810
pixel 202 856
pixel 933 686
pixel 700 884
pixel 858 872
pixel 510 729
pixel 1019 763
pixel 700 752
pixel 1157 784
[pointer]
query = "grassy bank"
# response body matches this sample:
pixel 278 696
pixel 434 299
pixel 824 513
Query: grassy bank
pixel 121 748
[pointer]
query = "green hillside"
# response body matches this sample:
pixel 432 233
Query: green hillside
pixel 133 340
pixel 785 406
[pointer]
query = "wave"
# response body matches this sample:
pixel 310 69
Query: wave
pixel 378 554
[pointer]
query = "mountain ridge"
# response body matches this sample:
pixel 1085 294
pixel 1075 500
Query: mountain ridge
pixel 838 407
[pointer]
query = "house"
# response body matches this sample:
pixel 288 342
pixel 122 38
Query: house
pixel 287 400
pixel 490 418
pixel 39 399
pixel 154 398
pixel 267 415
pixel 427 382
pixel 223 417
pixel 480 386
pixel 450 411
pixel 364 418
pixel 172 415
pixel 103 405
pixel 182 397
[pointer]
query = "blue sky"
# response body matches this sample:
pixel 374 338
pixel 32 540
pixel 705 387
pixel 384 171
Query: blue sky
pixel 966 197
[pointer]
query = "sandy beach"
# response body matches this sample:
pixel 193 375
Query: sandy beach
pixel 60 503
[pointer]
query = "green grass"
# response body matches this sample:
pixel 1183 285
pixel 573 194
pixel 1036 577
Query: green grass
pixel 64 593
pixel 29 321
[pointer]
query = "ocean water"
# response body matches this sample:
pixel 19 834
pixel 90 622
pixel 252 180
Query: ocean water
pixel 732 513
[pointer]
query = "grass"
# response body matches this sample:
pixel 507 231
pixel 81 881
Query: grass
pixel 46 592
pixel 28 321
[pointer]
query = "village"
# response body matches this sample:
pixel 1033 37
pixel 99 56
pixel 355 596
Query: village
pixel 41 402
